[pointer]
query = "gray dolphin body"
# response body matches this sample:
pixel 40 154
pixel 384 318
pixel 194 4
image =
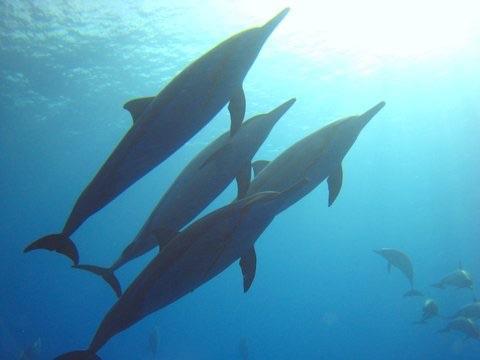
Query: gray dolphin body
pixel 162 124
pixel 458 279
pixel 200 252
pixel 463 325
pixel 316 157
pixel 430 310
pixel 471 311
pixel 402 262
pixel 202 180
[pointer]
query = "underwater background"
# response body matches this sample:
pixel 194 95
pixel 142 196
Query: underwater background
pixel 411 181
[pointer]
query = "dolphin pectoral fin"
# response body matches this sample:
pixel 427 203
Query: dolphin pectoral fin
pixel 136 107
pixel 79 355
pixel 107 274
pixel 438 285
pixel 258 166
pixel 216 154
pixel 334 184
pixel 243 181
pixel 59 243
pixel 248 264
pixel 164 235
pixel 237 110
pixel 389 267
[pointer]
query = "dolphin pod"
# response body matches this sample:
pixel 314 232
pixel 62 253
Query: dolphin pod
pixel 196 255
pixel 202 180
pixel 402 262
pixel 162 124
pixel 211 244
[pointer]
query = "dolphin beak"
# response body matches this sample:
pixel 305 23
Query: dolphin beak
pixel 272 24
pixel 369 114
pixel 377 252
pixel 278 112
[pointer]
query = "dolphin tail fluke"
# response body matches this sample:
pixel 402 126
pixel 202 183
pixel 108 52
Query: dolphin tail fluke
pixel 413 292
pixel 106 273
pixel 421 322
pixel 59 243
pixel 79 355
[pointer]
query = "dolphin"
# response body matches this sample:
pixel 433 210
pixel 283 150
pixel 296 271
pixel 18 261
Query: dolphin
pixel 458 279
pixel 202 180
pixel 430 310
pixel 471 311
pixel 402 262
pixel 163 123
pixel 316 157
pixel 463 325
pixel 311 160
pixel 197 254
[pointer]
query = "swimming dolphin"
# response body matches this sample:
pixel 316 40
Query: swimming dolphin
pixel 402 262
pixel 463 325
pixel 471 311
pixel 202 180
pixel 316 157
pixel 162 124
pixel 458 279
pixel 197 254
pixel 430 310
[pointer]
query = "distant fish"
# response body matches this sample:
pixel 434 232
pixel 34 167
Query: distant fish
pixel 243 349
pixel 202 180
pixel 162 124
pixel 463 325
pixel 459 279
pixel 402 262
pixel 471 311
pixel 32 351
pixel 430 310
pixel 153 343
pixel 197 254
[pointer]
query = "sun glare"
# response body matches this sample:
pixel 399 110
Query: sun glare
pixel 378 28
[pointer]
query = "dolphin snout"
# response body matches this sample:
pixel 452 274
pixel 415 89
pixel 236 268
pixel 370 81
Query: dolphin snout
pixel 272 24
pixel 278 112
pixel 373 111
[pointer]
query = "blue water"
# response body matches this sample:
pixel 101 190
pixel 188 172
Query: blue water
pixel 410 180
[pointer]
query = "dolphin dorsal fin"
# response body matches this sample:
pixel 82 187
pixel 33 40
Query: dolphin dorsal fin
pixel 243 180
pixel 136 107
pixel 258 166
pixel 248 264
